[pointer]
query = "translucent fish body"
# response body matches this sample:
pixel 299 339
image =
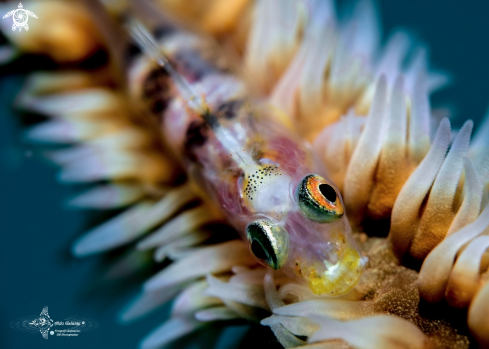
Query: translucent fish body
pixel 259 173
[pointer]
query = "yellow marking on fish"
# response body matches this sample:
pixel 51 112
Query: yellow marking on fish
pixel 338 279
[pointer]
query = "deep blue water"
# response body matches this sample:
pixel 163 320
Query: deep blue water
pixel 36 230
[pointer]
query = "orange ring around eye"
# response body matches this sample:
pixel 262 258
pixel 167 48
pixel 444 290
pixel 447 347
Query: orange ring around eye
pixel 313 200
pixel 313 183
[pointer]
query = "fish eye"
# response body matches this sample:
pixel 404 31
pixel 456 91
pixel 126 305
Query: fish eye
pixel 269 242
pixel 319 200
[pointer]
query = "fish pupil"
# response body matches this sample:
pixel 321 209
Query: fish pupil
pixel 258 250
pixel 328 192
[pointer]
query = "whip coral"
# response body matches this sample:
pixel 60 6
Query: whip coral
pixel 372 129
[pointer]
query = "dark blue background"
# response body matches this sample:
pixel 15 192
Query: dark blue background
pixel 36 231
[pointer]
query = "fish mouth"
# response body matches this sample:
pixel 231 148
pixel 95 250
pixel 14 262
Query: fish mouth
pixel 334 279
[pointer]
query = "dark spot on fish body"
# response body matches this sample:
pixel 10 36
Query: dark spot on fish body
pixel 157 91
pixel 195 137
pixel 229 109
pixel 210 119
pixel 131 52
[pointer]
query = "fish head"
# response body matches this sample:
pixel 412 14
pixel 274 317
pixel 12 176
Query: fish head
pixel 300 227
